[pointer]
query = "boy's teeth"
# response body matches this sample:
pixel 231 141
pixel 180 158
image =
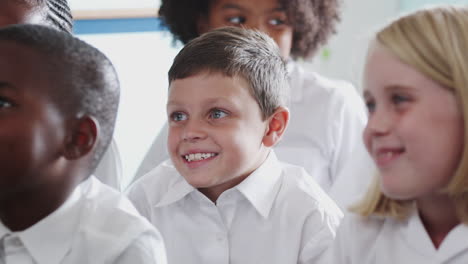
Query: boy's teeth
pixel 198 156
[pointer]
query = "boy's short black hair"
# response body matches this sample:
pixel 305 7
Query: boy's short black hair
pixel 233 51
pixel 313 21
pixel 56 13
pixel 84 80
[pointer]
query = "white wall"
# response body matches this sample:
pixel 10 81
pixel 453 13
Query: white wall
pixel 112 4
pixel 142 61
pixel 348 47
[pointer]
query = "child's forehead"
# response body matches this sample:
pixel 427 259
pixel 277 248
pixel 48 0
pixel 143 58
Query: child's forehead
pixel 23 67
pixel 209 76
pixel 19 53
pixel 209 85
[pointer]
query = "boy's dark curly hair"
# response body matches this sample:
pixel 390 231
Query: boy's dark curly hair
pixel 313 21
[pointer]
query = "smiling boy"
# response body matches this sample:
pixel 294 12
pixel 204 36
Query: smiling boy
pixel 225 198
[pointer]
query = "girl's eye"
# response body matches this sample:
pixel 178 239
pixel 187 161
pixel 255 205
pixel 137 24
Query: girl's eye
pixel 236 20
pixel 370 104
pixel 5 103
pixel 217 114
pixel 398 99
pixel 276 22
pixel 178 116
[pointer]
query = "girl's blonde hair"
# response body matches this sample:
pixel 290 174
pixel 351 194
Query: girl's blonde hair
pixel 435 42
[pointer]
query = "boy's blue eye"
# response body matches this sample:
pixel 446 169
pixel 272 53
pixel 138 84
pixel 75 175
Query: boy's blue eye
pixel 217 114
pixel 178 116
pixel 237 20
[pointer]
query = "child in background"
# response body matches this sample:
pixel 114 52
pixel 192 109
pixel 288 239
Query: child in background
pixel 416 90
pixel 58 105
pixel 225 197
pixel 56 13
pixel 327 116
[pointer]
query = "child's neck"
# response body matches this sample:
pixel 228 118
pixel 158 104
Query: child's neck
pixel 24 209
pixel 438 216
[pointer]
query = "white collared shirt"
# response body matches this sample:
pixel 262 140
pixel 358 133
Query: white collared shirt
pixel 324 136
pixel 387 241
pixel 95 225
pixel 278 214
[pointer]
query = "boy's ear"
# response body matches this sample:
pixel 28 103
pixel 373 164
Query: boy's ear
pixel 81 138
pixel 277 124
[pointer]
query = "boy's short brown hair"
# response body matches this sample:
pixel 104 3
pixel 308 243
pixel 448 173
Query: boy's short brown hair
pixel 233 51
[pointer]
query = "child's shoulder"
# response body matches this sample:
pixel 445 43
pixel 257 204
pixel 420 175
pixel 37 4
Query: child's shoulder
pixel 301 191
pixel 357 239
pixel 313 82
pixel 369 226
pixel 107 216
pixel 309 86
pixel 155 184
pixel 103 205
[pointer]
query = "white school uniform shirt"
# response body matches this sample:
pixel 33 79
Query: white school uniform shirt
pixel 96 225
pixel 388 241
pixel 278 214
pixel 109 169
pixel 324 135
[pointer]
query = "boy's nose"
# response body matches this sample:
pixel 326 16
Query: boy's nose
pixel 193 130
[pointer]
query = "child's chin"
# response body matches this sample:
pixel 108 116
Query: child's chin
pixel 397 193
pixel 196 181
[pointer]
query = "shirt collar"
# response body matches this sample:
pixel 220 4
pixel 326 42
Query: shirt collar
pixel 417 236
pixel 49 240
pixel 3 230
pixel 176 192
pixel 262 186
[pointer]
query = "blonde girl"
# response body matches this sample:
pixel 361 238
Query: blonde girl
pixel 416 91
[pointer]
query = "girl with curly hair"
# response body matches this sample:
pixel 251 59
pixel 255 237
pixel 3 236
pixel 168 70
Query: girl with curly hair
pixel 327 116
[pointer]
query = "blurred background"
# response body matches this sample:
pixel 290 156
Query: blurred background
pixel 130 34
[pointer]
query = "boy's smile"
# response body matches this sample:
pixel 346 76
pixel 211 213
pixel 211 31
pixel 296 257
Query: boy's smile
pixel 215 131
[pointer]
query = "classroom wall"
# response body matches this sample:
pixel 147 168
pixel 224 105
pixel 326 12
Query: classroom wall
pixel 112 4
